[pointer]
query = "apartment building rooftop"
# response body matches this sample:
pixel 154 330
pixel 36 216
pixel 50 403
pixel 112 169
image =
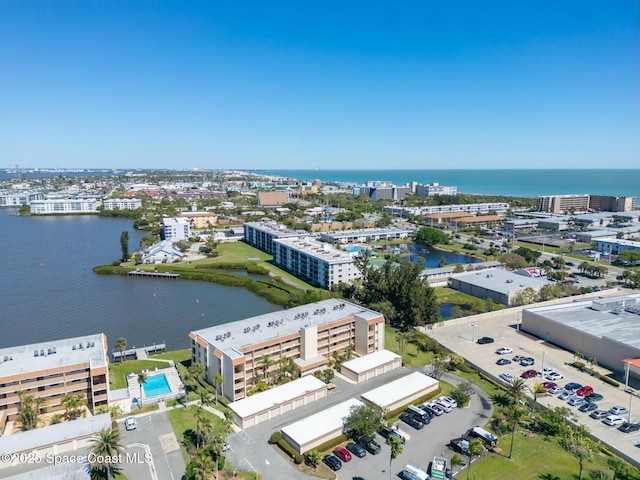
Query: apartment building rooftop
pixel 250 331
pixel 53 354
pixel 316 249
pixel 278 230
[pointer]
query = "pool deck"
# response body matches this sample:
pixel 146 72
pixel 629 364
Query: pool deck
pixel 173 378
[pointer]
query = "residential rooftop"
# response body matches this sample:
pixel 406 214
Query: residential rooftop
pixel 370 361
pixel 277 229
pixel 322 250
pixel 367 231
pixel 53 354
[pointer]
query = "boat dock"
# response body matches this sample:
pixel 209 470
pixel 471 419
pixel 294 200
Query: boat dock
pixel 142 273
pixel 138 353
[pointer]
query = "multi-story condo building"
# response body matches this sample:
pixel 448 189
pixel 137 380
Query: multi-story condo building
pixel 176 229
pixel 609 203
pixel 309 334
pixel 584 202
pixel 365 235
pixel 383 191
pixel 65 205
pixel 17 198
pixel 122 204
pixel 262 235
pixel 316 262
pixel 51 370
pixel 471 208
pixel 200 220
pixel 431 189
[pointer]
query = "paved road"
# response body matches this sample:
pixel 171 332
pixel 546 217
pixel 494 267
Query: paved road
pixel 457 336
pixel 250 449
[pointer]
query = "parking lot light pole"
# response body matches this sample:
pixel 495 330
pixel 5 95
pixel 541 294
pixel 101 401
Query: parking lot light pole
pixel 473 337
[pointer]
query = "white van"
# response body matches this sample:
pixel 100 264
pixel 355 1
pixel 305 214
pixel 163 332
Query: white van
pixel 421 414
pixel 413 472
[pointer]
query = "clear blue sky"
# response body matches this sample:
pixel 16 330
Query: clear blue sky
pixel 345 84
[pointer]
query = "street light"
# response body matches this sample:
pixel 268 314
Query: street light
pixel 473 339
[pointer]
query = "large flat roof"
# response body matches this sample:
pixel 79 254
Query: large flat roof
pixel 317 249
pixel 367 231
pixel 370 361
pixel 501 281
pixel 53 354
pixel 276 229
pixel 321 423
pixel 616 318
pixel 398 389
pixel 276 396
pixel 258 329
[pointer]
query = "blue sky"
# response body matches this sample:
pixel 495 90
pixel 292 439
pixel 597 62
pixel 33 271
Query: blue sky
pixel 358 84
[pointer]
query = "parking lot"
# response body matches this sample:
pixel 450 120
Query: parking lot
pixel 250 449
pixel 460 337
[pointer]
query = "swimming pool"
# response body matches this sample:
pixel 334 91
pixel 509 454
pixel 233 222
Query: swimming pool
pixel 156 386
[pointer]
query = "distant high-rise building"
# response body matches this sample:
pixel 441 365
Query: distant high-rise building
pixel 584 202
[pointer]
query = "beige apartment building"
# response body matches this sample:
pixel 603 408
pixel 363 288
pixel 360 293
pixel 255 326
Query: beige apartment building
pixel 309 334
pixel 51 370
pixel 200 220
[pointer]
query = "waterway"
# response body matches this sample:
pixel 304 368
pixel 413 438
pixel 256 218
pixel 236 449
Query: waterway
pixel 49 290
pixel 430 257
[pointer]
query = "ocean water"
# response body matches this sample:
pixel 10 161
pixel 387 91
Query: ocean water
pixel 519 183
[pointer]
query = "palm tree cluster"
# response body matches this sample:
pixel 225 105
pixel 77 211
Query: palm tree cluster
pixel 106 449
pixel 29 410
pixel 593 270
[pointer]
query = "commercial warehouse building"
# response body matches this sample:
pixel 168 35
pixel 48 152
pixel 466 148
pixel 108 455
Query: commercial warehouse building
pixel 371 365
pixel 51 370
pixel 501 286
pixel 315 262
pixel 265 405
pixel 402 391
pixel 604 328
pixel 309 334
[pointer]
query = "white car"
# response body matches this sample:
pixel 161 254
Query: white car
pixel 577 401
pixel 504 351
pixel 553 376
pixel 555 390
pixel 449 400
pixel 444 406
pixel 618 410
pixel 130 423
pixel 507 377
pixel 613 420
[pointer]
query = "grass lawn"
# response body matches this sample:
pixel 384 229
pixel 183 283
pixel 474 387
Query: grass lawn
pixel 466 302
pixel 118 371
pixel 182 419
pixel 178 356
pixel 412 356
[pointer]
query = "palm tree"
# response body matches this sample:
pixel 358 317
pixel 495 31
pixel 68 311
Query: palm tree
pixel 617 465
pixel 516 393
pixel 205 396
pixel 401 337
pixel 121 344
pixel 142 377
pixel 204 468
pixel 105 447
pixel 217 381
pixel 199 417
pixel 395 444
pixel 72 405
pixel 29 410
pixel 266 363
pixel 537 391
pixel 313 458
pixel 475 449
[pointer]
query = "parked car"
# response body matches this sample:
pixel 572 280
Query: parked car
pixel 598 414
pixel 507 377
pixel 485 340
pixel 585 390
pixel 594 397
pixel 588 407
pixel 411 420
pixel 342 453
pixel 503 361
pixel 387 432
pixel 527 361
pixel 567 395
pixel 517 358
pixel 618 410
pixel 433 408
pixel 448 400
pixel 444 406
pixel 546 371
pixel 573 386
pixel 553 376
pixel 332 462
pixel 529 374
pixel 504 351
pixel 130 423
pixel 577 401
pixel 613 420
pixel 556 390
pixel 369 444
pixel 548 385
pixel 356 449
pixel 627 427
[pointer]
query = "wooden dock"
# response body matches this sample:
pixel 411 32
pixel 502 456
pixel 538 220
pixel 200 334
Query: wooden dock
pixel 142 273
pixel 140 353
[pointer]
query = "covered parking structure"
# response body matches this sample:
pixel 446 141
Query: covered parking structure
pixel 401 392
pixel 371 365
pixel 306 434
pixel 262 406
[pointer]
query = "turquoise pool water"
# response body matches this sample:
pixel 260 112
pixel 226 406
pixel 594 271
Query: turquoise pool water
pixel 156 386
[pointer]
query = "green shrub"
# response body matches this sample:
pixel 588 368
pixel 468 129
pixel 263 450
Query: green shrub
pixel 331 444
pixel 578 365
pixel 288 449
pixel 298 459
pixel 275 437
pixel 608 380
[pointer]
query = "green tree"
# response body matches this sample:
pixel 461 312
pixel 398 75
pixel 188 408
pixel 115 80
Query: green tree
pixel 475 449
pixel 29 409
pixel 462 393
pixel 537 391
pixel 365 419
pixel 430 236
pixel 266 361
pixel 516 394
pixel 313 458
pixel 439 366
pixel 395 447
pixel 217 381
pixel 124 245
pixel 513 261
pixel 578 444
pixel 72 405
pixel 618 466
pixel 524 297
pixel 121 344
pixel 142 377
pixel 106 448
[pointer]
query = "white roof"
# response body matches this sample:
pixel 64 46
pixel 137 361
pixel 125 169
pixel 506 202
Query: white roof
pixel 321 423
pixel 276 396
pixel 370 361
pixel 398 389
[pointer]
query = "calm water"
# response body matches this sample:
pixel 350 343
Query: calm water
pixel 49 290
pixel 519 183
pixel 430 257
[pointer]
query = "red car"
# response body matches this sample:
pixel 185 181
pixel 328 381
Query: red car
pixel 586 390
pixel 548 385
pixel 529 374
pixel 342 453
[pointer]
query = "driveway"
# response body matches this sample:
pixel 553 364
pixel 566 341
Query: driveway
pixel 250 449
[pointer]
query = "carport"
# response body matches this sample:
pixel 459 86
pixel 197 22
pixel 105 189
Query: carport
pixel 402 391
pixel 370 366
